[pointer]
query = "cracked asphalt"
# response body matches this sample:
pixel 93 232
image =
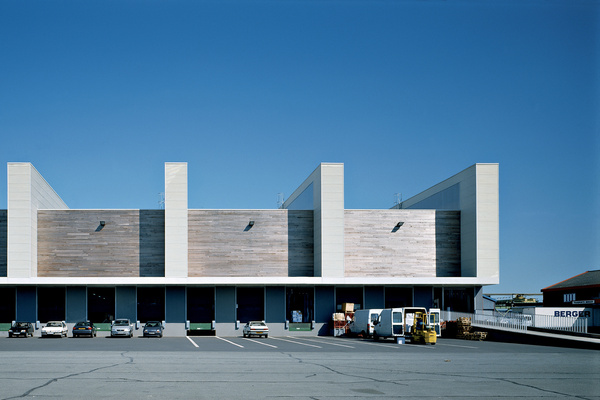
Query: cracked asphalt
pixel 292 368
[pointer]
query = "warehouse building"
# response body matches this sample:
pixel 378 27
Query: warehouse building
pixel 213 270
pixel 582 289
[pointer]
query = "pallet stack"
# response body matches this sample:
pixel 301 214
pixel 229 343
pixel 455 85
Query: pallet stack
pixel 464 330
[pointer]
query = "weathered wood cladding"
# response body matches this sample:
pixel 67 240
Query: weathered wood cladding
pixel 72 243
pixel 222 243
pixel 426 245
pixel 3 243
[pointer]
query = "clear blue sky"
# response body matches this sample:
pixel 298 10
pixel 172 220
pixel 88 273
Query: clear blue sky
pixel 254 94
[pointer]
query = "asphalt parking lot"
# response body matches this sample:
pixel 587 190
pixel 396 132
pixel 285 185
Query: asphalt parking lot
pixel 292 367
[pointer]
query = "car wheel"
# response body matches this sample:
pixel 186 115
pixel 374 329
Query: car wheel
pixel 266 336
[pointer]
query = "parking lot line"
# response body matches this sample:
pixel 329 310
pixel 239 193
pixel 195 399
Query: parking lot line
pixel 259 342
pixel 190 339
pixel 458 345
pixel 323 342
pixel 388 345
pixel 300 343
pixel 230 342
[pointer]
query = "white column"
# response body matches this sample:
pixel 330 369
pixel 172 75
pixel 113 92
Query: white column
pixel 176 220
pixel 28 192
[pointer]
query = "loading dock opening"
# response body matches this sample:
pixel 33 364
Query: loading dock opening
pixel 101 304
pixel 51 304
pixel 150 304
pixel 300 308
pixel 250 304
pixel 201 311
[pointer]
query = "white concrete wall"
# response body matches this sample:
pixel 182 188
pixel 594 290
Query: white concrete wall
pixel 176 220
pixel 28 192
pixel 328 207
pixel 479 207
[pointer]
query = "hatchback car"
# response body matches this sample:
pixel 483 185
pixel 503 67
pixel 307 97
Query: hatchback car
pixel 153 328
pixel 19 328
pixel 84 328
pixel 121 327
pixel 55 328
pixel 256 328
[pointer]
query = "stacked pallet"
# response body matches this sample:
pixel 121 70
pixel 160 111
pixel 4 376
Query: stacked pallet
pixel 463 327
pixel 464 330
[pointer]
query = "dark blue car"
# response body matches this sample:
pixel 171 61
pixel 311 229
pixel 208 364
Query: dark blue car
pixel 153 328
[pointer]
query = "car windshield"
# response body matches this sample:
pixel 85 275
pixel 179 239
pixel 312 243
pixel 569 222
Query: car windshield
pixel 53 324
pixel 81 324
pixel 152 324
pixel 257 324
pixel 121 322
pixel 21 324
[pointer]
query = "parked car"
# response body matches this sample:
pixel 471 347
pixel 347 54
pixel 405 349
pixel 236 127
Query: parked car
pixel 153 328
pixel 84 328
pixel 121 327
pixel 55 328
pixel 256 328
pixel 20 328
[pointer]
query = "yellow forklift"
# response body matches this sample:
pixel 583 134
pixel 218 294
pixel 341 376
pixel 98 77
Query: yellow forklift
pixel 422 331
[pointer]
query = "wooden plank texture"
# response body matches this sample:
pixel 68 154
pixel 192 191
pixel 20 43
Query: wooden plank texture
pixel 222 243
pixel 3 243
pixel 71 243
pixel 426 245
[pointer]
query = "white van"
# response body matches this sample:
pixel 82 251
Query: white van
pixel 434 320
pixel 395 322
pixel 389 324
pixel 363 322
pixel 409 318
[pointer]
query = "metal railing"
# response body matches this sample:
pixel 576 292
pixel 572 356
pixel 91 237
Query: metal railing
pixel 520 322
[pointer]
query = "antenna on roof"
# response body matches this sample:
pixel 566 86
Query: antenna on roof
pixel 397 200
pixel 161 200
pixel 279 200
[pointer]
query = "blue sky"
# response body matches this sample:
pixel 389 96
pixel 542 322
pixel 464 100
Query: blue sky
pixel 254 94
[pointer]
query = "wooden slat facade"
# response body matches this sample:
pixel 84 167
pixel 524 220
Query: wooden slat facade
pixel 426 245
pixel 221 243
pixel 3 243
pixel 71 243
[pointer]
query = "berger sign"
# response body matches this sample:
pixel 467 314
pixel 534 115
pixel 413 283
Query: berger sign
pixel 577 314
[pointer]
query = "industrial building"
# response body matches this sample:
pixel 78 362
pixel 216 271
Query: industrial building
pixel 582 289
pixel 213 270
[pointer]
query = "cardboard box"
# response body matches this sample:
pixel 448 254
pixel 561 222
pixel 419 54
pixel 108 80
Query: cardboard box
pixel 296 316
pixel 347 307
pixel 338 317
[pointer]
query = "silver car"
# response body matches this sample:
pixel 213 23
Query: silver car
pixel 121 327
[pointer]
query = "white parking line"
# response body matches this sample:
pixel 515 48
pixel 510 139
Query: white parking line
pixel 230 342
pixel 264 344
pixel 323 342
pixel 302 344
pixel 458 345
pixel 190 339
pixel 388 345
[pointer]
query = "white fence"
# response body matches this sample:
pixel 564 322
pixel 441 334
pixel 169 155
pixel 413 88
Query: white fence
pixel 520 322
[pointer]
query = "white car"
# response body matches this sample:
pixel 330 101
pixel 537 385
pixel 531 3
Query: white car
pixel 256 328
pixel 55 328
